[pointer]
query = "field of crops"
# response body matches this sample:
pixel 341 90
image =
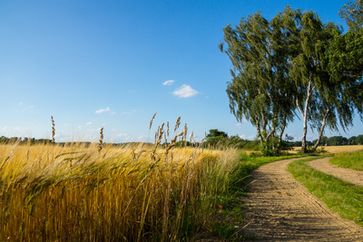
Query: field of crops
pixel 78 193
pixel 335 149
pixel 342 148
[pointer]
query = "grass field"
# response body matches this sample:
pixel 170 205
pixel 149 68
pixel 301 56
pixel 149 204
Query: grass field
pixel 137 193
pixel 342 148
pixel 351 160
pixel 343 198
pixel 334 149
pixel 75 193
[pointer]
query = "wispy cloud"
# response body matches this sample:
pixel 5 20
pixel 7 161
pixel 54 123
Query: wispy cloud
pixel 185 91
pixel 104 110
pixel 168 82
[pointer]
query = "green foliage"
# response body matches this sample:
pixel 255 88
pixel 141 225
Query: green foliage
pixel 351 160
pixel 215 138
pixel 258 49
pixel 273 147
pixel 356 140
pixel 224 230
pixel 219 139
pixel 352 12
pixel 324 96
pixel 294 62
pixel 335 140
pixel 343 198
pixel 216 133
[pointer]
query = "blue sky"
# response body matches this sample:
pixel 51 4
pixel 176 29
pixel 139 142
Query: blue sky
pixel 106 63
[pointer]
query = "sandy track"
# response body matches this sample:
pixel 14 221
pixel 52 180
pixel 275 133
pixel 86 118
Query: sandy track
pixel 348 175
pixel 278 208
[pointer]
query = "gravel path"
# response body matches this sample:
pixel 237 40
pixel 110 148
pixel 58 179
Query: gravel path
pixel 278 208
pixel 348 175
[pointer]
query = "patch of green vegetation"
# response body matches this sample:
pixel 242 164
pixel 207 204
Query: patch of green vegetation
pixel 341 197
pixel 224 230
pixel 351 160
pixel 229 219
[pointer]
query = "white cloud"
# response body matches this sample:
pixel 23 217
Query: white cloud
pixel 168 82
pixel 185 91
pixel 104 110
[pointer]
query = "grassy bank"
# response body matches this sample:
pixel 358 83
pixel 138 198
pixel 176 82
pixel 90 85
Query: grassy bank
pixel 351 160
pixel 75 193
pixel 341 197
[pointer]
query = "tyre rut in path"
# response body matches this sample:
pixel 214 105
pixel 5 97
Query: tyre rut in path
pixel 347 175
pixel 278 208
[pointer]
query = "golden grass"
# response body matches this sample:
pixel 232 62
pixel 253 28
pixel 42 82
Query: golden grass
pixel 343 148
pixel 335 149
pixel 76 193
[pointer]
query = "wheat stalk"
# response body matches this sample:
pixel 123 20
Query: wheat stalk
pixel 152 120
pixel 53 129
pixel 177 124
pixel 100 143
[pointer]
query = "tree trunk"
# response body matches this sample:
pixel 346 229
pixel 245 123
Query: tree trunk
pixel 272 132
pixel 282 133
pixel 259 133
pixel 321 130
pixel 305 118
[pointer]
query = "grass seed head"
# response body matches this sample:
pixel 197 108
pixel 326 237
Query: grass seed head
pixel 152 120
pixel 53 129
pixel 100 143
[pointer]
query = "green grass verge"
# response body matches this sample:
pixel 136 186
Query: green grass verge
pixel 230 216
pixel 344 198
pixel 351 160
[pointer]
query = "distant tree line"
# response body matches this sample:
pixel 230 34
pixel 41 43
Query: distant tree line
pixel 331 141
pixel 219 139
pixel 23 140
pixel 215 139
pixel 296 66
pixel 34 141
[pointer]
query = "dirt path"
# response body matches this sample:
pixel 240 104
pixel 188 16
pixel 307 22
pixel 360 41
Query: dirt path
pixel 278 208
pixel 348 175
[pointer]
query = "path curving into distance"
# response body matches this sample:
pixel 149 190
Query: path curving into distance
pixel 347 175
pixel 278 208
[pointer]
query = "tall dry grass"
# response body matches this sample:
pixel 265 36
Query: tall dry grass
pixel 77 193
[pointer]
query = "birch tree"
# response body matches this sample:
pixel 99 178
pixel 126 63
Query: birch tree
pixel 259 90
pixel 328 75
pixel 294 64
